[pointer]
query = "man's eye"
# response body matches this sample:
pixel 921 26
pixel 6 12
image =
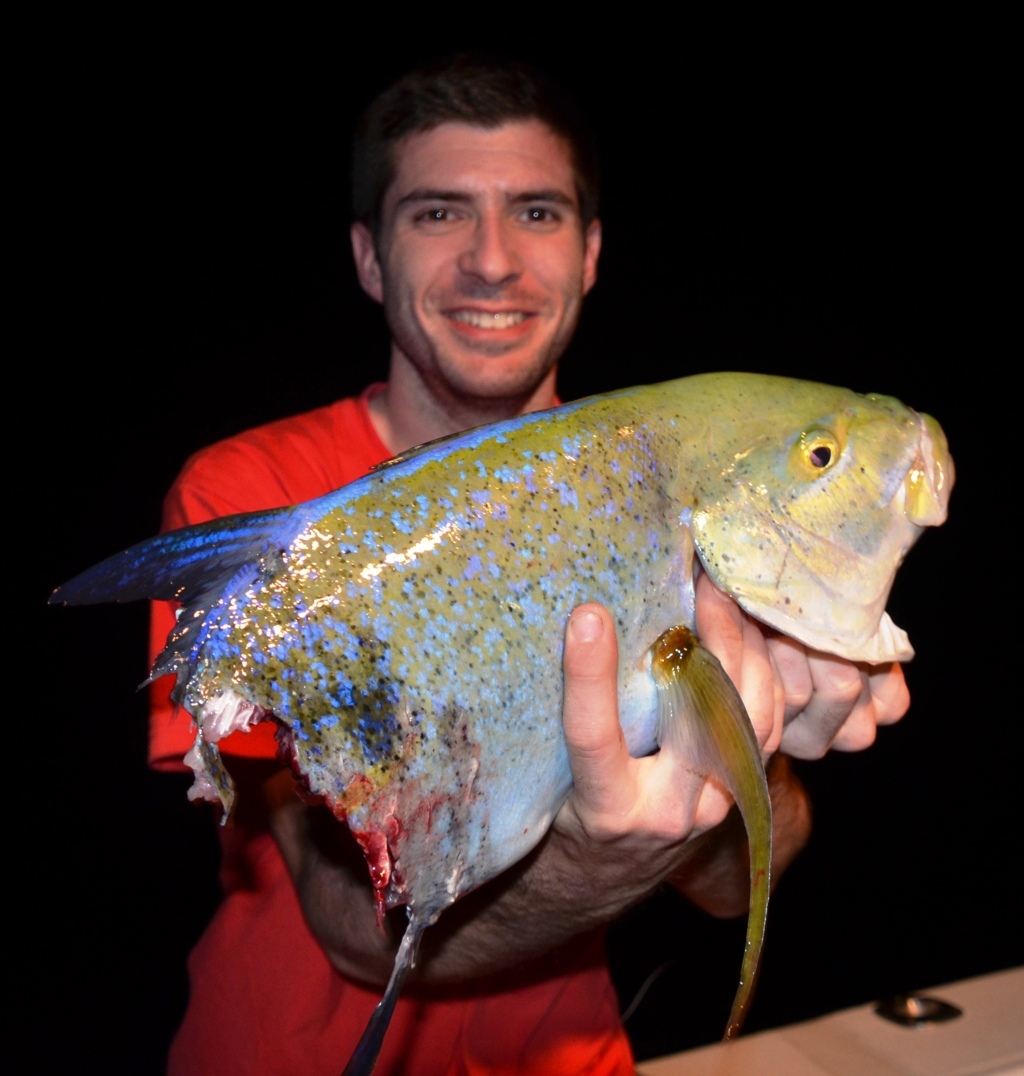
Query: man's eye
pixel 539 215
pixel 435 215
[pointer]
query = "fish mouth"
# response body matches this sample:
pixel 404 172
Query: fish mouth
pixel 924 495
pixel 489 320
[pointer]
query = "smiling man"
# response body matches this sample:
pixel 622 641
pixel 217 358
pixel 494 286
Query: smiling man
pixel 481 263
pixel 476 229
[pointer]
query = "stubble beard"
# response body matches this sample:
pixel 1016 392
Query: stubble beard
pixel 486 395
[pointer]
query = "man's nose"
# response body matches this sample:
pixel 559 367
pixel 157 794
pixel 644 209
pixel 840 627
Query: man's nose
pixel 491 255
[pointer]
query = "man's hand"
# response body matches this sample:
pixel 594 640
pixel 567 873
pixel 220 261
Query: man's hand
pixel 634 821
pixel 627 822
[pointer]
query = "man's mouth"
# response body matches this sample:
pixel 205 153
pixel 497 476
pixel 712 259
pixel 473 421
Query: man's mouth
pixel 479 319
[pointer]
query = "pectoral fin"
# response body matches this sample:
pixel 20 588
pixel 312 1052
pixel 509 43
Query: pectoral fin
pixel 702 718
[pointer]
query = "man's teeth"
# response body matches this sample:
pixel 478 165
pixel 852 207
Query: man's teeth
pixel 480 320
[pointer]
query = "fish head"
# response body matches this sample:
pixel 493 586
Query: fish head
pixel 812 499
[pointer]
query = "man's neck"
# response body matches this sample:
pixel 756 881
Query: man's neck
pixel 408 413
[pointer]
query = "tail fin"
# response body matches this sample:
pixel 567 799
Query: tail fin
pixel 185 565
pixel 202 567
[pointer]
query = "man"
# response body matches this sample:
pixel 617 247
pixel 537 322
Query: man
pixel 476 229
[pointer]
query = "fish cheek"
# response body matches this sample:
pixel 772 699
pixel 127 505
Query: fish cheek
pixel 740 544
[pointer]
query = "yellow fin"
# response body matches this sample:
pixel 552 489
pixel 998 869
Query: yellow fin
pixel 702 718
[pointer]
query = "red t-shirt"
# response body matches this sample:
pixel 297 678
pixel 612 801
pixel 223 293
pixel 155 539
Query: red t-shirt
pixel 264 998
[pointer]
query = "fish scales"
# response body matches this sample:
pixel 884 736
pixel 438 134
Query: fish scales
pixel 406 631
pixel 375 696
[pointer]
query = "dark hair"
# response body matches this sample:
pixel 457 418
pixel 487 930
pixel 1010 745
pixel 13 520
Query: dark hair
pixel 471 90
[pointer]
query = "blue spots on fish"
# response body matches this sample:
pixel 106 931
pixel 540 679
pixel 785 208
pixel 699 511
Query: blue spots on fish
pixel 376 735
pixel 401 522
pixel 219 648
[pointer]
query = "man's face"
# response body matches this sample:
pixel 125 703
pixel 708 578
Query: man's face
pixel 482 262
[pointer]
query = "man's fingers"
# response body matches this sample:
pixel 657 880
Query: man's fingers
pixel 590 716
pixel 720 627
pixel 847 702
pixel 791 659
pixel 859 730
pixel 883 701
pixel 739 644
pixel 889 692
pixel 838 713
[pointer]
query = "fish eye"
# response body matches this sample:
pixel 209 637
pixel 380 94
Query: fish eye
pixel 818 450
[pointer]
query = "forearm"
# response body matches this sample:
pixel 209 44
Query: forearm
pixel 544 902
pixel 567 887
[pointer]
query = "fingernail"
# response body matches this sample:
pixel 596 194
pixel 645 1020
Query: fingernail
pixel 586 627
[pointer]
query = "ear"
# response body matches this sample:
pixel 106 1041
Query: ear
pixel 364 251
pixel 591 252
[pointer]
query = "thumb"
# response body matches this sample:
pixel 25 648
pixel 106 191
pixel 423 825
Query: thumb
pixel 590 715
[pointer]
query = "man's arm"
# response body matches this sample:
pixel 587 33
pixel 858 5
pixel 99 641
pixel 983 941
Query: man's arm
pixel 629 824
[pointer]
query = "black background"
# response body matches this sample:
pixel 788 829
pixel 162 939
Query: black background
pixel 826 202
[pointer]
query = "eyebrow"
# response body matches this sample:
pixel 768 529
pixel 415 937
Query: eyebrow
pixel 432 194
pixel 439 194
pixel 552 194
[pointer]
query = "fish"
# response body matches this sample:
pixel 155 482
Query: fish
pixel 405 631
